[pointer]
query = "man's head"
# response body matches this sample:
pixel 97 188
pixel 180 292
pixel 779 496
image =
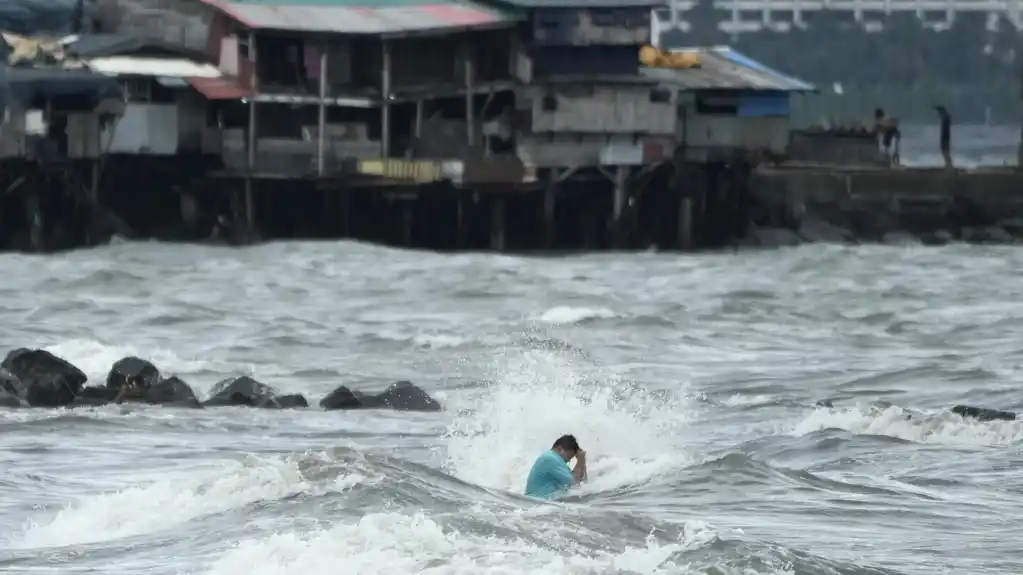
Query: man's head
pixel 566 446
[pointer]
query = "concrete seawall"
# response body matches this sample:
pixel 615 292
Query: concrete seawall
pixel 796 204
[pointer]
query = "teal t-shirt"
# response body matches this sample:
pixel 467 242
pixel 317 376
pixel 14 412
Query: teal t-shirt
pixel 549 476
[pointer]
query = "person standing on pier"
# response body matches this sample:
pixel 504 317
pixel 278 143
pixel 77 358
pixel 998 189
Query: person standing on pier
pixel 888 129
pixel 946 135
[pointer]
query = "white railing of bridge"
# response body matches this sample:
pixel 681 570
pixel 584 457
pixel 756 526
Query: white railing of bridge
pixel 781 15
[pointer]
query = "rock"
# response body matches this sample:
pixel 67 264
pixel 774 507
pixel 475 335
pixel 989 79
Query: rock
pixel 938 238
pixel 292 401
pixel 99 394
pixel 987 235
pixel 774 237
pixel 401 396
pixel 819 231
pixel 135 370
pixel 343 398
pixel 9 383
pixel 45 379
pixel 405 396
pixel 899 238
pixel 1014 226
pixel 983 413
pixel 824 403
pixel 8 399
pixel 243 391
pixel 172 391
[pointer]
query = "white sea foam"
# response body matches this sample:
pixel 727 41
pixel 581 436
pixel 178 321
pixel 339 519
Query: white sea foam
pixel 540 395
pixel 393 544
pixel 938 427
pixel 567 314
pixel 174 500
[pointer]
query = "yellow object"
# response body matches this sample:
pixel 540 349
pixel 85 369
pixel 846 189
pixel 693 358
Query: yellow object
pixel 653 58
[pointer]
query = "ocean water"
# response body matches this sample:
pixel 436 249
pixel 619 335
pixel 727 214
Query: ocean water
pixel 690 379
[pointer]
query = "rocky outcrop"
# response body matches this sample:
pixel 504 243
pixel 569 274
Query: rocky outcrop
pixel 247 391
pixel 400 396
pixel 172 392
pixel 37 378
pixel 43 379
pixel 983 413
pixel 132 371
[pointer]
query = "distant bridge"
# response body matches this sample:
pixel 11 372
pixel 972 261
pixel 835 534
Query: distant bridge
pixel 782 15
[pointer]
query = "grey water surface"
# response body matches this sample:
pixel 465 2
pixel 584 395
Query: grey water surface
pixel 690 379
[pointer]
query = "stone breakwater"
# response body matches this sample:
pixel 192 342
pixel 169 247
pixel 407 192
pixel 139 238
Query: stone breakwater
pixel 37 378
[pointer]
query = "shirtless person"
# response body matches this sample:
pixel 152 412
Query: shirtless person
pixel 550 474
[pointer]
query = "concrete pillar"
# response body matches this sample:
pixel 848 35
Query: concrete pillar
pixel 549 204
pixel 497 231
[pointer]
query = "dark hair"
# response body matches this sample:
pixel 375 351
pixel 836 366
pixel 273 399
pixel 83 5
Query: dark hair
pixel 566 442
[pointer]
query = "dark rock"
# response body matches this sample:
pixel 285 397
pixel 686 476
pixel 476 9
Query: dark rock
pixel 983 413
pixel 8 399
pixel 132 370
pixel 401 396
pixel 987 235
pixel 819 231
pixel 9 382
pixel 900 238
pixel 1014 226
pixel 292 401
pixel 45 379
pixel 172 391
pixel 774 237
pixel 824 403
pixel 99 394
pixel 405 396
pixel 242 391
pixel 343 398
pixel 938 238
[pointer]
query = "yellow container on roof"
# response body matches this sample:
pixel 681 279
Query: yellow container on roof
pixel 654 58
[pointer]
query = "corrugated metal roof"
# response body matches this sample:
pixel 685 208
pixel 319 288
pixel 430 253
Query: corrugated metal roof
pixel 722 68
pixel 222 88
pixel 157 67
pixel 365 17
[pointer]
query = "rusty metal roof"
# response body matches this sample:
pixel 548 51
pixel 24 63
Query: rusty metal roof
pixel 722 68
pixel 363 16
pixel 222 88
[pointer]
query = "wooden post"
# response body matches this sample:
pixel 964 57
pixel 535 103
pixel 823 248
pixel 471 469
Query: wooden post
pixel 549 204
pixel 460 223
pixel 685 223
pixel 470 120
pixel 419 119
pixel 497 224
pixel 385 104
pixel 407 208
pixel 322 120
pixel 250 208
pixel 618 208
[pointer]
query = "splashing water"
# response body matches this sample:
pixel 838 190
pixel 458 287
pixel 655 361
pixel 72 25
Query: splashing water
pixel 630 436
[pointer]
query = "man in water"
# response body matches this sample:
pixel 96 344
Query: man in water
pixel 550 474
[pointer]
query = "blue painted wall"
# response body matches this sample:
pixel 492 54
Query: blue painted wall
pixel 592 60
pixel 763 105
